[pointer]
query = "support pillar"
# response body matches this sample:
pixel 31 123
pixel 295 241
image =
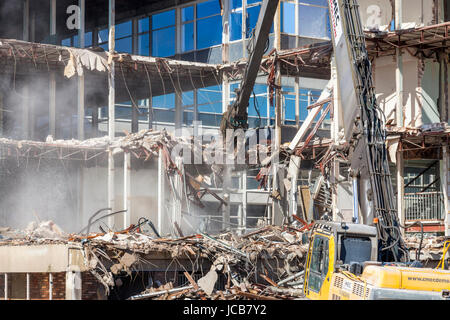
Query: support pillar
pixel 443 86
pixel 28 286
pixel 177 202
pixel 25 112
pixel 52 105
pixel 81 95
pixel 244 200
pixel 335 137
pixel 399 68
pixel 294 168
pixel 95 122
pixel 6 286
pixel 226 212
pixel 134 118
pixel 73 285
pixel 277 214
pixel 50 286
pixel 52 100
pixel 150 112
pixel 161 175
pixel 26 20
pixel 178 112
pixel 111 110
pixel 400 190
pixel 297 101
pixel 52 17
pixel 127 189
pixel 111 189
pixel 1 114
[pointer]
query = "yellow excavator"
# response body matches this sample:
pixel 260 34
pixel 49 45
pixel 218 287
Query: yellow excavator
pixel 366 259
pixel 343 264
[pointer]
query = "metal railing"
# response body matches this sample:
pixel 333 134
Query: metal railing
pixel 424 206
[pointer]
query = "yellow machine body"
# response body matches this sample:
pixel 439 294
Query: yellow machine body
pixel 326 279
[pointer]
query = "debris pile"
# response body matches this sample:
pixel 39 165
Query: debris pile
pixel 432 246
pixel 35 233
pixel 258 265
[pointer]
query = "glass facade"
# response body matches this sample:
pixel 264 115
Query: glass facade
pixel 195 29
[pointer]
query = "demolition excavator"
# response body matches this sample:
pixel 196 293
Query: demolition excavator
pixel 366 259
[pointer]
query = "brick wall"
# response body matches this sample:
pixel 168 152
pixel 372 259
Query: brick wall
pixel 89 286
pixel 39 286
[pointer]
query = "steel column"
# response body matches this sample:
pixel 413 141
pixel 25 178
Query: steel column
pixel 127 189
pixel 111 109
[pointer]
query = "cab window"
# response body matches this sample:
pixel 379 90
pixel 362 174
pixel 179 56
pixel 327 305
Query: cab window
pixel 355 249
pixel 319 263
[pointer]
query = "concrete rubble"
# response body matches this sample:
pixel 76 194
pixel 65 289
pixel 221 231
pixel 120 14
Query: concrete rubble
pixel 245 261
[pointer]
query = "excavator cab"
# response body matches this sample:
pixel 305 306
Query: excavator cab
pixel 334 246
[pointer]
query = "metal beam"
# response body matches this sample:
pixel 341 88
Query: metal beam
pixel 111 109
pixel 262 30
pixel 127 189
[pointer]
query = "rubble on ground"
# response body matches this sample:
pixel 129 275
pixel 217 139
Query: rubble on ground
pixel 431 245
pixel 229 254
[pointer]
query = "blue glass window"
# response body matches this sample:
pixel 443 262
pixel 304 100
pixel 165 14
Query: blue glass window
pixel 164 19
pixel 163 34
pixel 209 99
pixel 143 45
pixel 123 30
pixel 236 4
pixel 260 104
pixel 164 108
pixel 143 25
pixel 208 8
pixel 209 32
pixel 252 19
pixel 103 36
pixel 236 25
pixel 163 42
pixel 164 102
pixel 88 39
pixel 187 14
pixel 187 98
pixel 288 17
pixel 313 22
pixel 187 36
pixel 124 45
pixel 66 42
pixel 315 2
